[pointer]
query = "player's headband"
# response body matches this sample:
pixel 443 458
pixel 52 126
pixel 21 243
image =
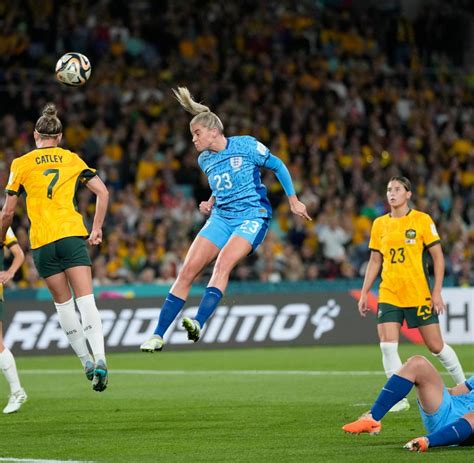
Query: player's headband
pixel 48 135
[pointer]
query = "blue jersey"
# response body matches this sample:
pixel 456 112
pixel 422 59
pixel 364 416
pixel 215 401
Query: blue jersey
pixel 234 178
pixel 465 402
pixel 451 409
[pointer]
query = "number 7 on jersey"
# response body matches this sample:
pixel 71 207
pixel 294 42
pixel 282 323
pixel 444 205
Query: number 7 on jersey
pixel 53 181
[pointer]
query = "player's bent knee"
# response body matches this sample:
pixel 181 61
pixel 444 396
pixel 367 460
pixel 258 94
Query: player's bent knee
pixel 418 361
pixel 435 347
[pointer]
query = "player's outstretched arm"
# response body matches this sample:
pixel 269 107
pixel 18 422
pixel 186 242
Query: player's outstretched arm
pixel 97 186
pixel 298 208
pixel 283 175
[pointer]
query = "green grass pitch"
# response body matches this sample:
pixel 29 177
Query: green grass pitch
pixel 242 405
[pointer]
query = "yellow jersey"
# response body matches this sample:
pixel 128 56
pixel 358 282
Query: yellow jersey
pixel 403 243
pixel 49 177
pixel 10 240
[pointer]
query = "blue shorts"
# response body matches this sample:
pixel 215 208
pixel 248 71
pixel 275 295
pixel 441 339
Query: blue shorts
pixel 451 409
pixel 219 230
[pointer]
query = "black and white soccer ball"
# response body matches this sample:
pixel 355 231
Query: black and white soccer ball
pixel 73 69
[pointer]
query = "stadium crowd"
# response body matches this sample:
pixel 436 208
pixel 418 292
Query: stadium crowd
pixel 346 98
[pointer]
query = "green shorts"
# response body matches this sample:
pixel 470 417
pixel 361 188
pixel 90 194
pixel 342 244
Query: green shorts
pixel 415 316
pixel 60 255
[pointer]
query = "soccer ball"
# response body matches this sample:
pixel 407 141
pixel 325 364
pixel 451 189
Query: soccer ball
pixel 73 69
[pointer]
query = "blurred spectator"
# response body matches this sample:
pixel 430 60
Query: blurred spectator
pixel 346 96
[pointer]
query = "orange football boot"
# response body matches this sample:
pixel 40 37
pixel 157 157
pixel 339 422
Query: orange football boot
pixel 420 444
pixel 364 424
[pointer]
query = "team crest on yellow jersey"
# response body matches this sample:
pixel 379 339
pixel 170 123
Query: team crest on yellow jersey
pixel 410 235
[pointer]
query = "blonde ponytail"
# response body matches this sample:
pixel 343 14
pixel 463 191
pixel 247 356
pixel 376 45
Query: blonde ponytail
pixel 202 113
pixel 186 101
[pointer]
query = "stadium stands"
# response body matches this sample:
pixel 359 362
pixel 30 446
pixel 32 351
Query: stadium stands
pixel 347 97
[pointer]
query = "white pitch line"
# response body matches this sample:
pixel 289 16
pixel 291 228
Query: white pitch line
pixel 29 460
pixel 215 372
pixel 211 372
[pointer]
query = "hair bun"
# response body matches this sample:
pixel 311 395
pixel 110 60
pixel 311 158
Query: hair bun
pixel 50 110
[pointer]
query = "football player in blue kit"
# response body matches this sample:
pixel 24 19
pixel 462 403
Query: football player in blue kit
pixel 447 414
pixel 239 214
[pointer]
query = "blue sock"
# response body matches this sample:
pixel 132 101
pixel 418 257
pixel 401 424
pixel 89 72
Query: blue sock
pixel 169 310
pixel 451 434
pixel 208 304
pixel 395 389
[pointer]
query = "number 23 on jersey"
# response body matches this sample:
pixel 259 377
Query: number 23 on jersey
pixel 222 182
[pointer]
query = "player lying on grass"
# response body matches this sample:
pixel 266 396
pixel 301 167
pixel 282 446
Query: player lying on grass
pixel 448 414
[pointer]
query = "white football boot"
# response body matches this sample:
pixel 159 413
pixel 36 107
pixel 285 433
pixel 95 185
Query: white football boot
pixel 15 401
pixel 401 406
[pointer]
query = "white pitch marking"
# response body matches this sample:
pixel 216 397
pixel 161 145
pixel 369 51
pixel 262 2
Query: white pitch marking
pixel 29 460
pixel 215 372
pixel 210 372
